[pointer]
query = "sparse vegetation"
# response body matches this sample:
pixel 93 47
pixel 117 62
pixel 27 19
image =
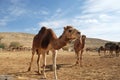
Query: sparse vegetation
pixel 15 44
pixel 24 39
pixel 2 45
pixel 1 38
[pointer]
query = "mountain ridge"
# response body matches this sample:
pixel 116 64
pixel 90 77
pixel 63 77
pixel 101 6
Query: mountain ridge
pixel 25 39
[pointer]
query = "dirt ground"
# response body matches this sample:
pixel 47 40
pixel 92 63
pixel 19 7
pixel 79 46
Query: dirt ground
pixel 15 64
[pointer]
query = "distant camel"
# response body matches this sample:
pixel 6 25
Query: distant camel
pixel 79 45
pixel 111 46
pixel 101 48
pixel 46 40
pixel 115 48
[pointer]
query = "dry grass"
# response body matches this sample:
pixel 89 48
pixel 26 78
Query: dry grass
pixel 94 66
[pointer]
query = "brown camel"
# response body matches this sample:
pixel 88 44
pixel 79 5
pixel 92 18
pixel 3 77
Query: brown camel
pixel 79 45
pixel 46 40
pixel 100 49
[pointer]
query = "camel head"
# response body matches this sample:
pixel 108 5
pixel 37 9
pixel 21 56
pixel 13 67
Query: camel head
pixel 71 33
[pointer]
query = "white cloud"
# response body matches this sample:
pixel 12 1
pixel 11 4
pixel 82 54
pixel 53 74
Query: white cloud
pixel 53 24
pixel 100 19
pixel 102 5
pixel 15 1
pixel 4 20
pixel 40 12
pixel 105 17
pixel 31 29
pixel 11 12
pixel 16 11
pixel 44 12
pixel 107 31
pixel 57 14
pixel 58 10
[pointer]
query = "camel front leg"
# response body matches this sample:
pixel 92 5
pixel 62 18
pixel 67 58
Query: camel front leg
pixel 33 52
pixel 54 63
pixel 78 58
pixel 111 53
pixel 44 64
pixel 81 58
pixel 117 53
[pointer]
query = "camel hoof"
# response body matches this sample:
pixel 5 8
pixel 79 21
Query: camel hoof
pixel 43 78
pixel 76 64
pixel 29 69
pixel 39 73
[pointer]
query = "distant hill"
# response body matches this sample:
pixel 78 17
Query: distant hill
pixel 93 42
pixel 25 39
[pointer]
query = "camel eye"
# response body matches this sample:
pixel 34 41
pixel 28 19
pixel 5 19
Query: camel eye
pixel 78 32
pixel 70 31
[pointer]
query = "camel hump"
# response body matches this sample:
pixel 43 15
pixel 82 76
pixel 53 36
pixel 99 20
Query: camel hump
pixel 42 30
pixel 46 39
pixel 40 33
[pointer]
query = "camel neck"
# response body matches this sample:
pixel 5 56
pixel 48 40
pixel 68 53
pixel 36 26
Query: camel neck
pixel 60 42
pixel 83 43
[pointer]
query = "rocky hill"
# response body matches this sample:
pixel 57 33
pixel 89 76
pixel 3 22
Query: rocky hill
pixel 25 39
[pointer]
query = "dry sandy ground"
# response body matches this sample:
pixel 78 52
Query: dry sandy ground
pixel 15 64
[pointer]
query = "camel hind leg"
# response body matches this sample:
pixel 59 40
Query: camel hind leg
pixel 38 63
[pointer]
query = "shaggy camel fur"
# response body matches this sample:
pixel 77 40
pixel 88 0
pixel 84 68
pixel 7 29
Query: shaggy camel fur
pixel 79 48
pixel 46 40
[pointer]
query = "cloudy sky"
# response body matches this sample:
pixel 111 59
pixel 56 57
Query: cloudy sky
pixel 94 18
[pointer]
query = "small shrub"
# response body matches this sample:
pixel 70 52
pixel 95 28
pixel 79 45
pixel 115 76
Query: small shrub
pixel 14 44
pixel 2 45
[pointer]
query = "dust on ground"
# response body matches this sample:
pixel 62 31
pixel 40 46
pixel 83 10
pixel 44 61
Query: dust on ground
pixel 95 67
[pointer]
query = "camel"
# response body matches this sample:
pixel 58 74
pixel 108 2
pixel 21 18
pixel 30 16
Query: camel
pixel 46 40
pixel 110 47
pixel 101 48
pixel 115 48
pixel 79 45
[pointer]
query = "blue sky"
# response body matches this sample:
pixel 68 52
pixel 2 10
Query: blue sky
pixel 94 18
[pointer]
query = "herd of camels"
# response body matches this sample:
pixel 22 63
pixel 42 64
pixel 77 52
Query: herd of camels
pixel 110 47
pixel 46 40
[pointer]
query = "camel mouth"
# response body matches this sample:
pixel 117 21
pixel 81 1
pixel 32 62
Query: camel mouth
pixel 71 38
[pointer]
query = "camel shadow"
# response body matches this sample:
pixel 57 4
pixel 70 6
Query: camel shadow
pixel 58 67
pixel 49 68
